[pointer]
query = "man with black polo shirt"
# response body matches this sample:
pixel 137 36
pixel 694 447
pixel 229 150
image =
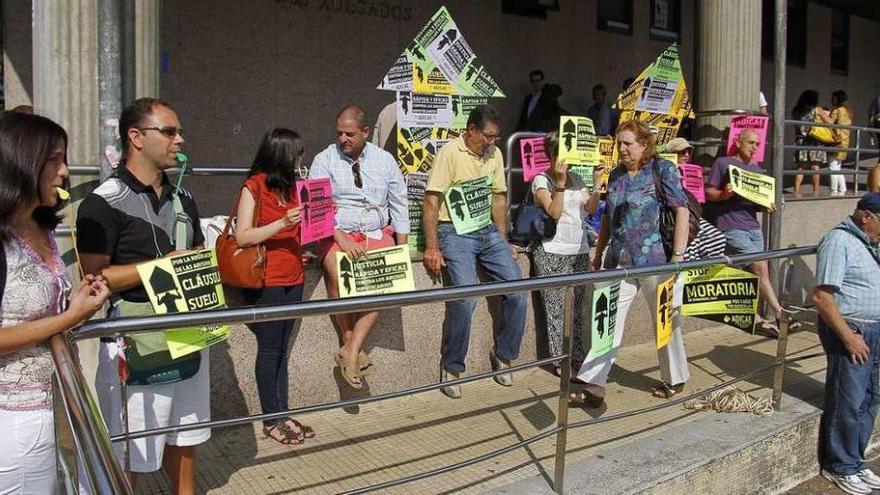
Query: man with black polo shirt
pixel 130 218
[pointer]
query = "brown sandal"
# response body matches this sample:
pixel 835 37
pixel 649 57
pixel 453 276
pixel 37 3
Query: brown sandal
pixel 304 430
pixel 666 391
pixel 582 396
pixel 288 436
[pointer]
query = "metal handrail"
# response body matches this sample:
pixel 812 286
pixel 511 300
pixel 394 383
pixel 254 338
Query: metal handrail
pixel 92 441
pixel 117 326
pixel 97 455
pixel 833 126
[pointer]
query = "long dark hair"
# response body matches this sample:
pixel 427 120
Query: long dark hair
pixel 807 101
pixel 26 144
pixel 276 157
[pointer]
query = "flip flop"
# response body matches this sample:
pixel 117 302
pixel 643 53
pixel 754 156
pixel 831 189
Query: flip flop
pixel 768 328
pixel 348 373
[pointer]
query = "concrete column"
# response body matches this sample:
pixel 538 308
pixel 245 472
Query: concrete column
pixel 147 15
pixel 17 72
pixel 728 62
pixel 65 62
pixel 65 80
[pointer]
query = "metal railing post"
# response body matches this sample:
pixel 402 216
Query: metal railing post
pixel 781 351
pixel 786 266
pixel 103 472
pixel 858 161
pixel 564 385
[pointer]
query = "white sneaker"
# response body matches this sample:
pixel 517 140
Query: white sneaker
pixel 504 379
pixel 869 478
pixel 850 483
pixel 451 391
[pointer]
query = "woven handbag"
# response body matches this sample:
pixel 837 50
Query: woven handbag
pixel 242 267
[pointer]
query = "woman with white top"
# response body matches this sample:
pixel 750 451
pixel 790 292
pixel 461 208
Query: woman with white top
pixel 36 298
pixel 564 196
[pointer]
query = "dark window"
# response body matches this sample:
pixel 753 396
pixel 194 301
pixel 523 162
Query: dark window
pixel 615 16
pixel 665 19
pixel 839 42
pixel 529 8
pixel 796 37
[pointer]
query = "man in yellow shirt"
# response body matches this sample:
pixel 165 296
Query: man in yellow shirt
pixel 468 175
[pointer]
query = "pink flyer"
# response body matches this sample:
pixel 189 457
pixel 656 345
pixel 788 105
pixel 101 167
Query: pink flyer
pixel 693 180
pixel 317 218
pixel 534 160
pixel 742 122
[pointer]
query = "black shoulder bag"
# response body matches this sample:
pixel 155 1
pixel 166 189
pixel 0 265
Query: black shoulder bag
pixel 667 214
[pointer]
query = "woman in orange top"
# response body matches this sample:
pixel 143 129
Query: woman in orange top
pixel 277 227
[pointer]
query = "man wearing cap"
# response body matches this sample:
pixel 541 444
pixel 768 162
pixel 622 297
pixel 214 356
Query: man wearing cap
pixel 847 299
pixel 737 217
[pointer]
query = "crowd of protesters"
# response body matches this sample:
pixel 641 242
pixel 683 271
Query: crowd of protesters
pixel 138 215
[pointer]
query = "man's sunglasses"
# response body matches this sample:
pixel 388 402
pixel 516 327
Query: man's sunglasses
pixel 168 131
pixel 356 171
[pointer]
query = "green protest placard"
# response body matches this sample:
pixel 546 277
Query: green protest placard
pixel 415 194
pixel 380 271
pixel 470 204
pixel 585 172
pixel 723 294
pixel 179 284
pixel 755 187
pixel 604 318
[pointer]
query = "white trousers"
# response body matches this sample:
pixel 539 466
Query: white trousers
pixel 838 182
pixel 672 356
pixel 27 452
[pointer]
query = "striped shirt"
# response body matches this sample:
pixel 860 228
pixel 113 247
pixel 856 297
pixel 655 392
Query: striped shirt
pixel 846 266
pixel 368 209
pixel 709 243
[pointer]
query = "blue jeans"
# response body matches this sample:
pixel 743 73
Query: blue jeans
pixel 744 241
pixel 462 253
pixel 852 396
pixel 273 340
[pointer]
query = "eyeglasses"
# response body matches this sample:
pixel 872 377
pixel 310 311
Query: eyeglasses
pixel 168 131
pixel 489 137
pixel 356 172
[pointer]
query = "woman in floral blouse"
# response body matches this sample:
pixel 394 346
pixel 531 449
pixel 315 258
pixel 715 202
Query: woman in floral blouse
pixel 630 223
pixel 33 297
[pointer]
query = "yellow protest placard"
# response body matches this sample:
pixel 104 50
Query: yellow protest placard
pixel 577 140
pixel 723 294
pixel 665 303
pixel 379 271
pixel 184 283
pixel 753 186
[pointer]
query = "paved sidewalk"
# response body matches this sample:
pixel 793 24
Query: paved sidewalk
pixel 400 437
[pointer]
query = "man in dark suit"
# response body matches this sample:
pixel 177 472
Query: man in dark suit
pixel 530 103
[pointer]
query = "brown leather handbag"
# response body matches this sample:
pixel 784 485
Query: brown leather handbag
pixel 242 267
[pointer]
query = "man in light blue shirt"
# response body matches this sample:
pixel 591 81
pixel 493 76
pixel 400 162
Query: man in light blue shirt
pixel 371 213
pixel 847 297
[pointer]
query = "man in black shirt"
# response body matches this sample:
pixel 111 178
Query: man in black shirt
pixel 130 219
